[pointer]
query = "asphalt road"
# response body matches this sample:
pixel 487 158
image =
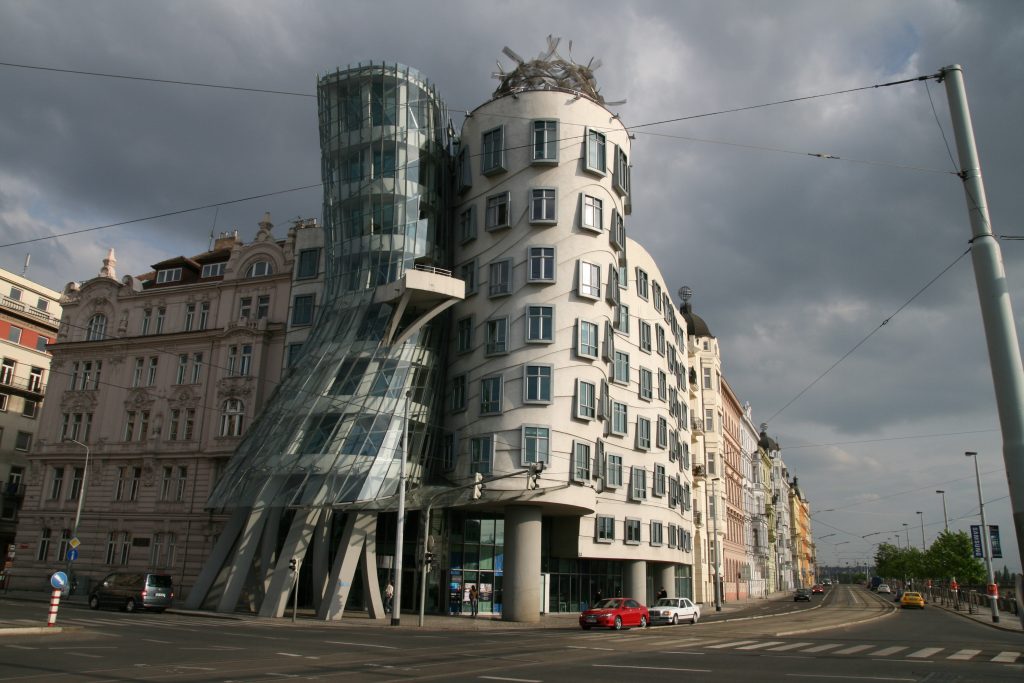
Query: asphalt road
pixel 830 639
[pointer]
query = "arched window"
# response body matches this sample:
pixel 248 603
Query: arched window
pixel 97 329
pixel 260 269
pixel 231 417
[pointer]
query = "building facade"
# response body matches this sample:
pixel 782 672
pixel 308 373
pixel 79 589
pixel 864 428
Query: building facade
pixel 154 381
pixel 29 318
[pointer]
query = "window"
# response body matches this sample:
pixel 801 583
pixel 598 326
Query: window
pixel 179 376
pixel 496 214
pixel 151 371
pixel 632 534
pixel 536 444
pixel 643 433
pixel 245 307
pixel 173 483
pixel 294 351
pixel 580 461
pixel 605 529
pixel 490 395
pixel 638 483
pixel 586 338
pixel 500 280
pixel 595 155
pixel 709 420
pixel 540 323
pixel 457 393
pixel 614 471
pixel 543 205
pixel 659 480
pixel 204 314
pixel 537 383
pixel 497 336
pixel 645 336
pixel 464 335
pixel 232 415
pixel 493 158
pixel 620 174
pixel 481 454
pixel 662 385
pixel 620 369
pixel 16 293
pixel 42 554
pixel 656 295
pixel 707 378
pixel 7 371
pixel 672 535
pixel 657 533
pixel 711 463
pixel 168 275
pixel 467 224
pixel 213 269
pixel 302 309
pixel 4 398
pixel 620 418
pixel 23 441
pixel 97 328
pixel 662 434
pixel 262 306
pixel 161 316
pixel 542 264
pixel 29 408
pixel 190 315
pixel 147 320
pixel 586 400
pixel 617 235
pixel 589 280
pixel 467 272
pixel 646 382
pixel 309 264
pixel 641 284
pixel 239 360
pixel 591 213
pixel 622 318
pixel 41 343
pixel 660 335
pixel 259 269
pixel 545 142
pixel 197 367
pixel 463 172
pixel 56 482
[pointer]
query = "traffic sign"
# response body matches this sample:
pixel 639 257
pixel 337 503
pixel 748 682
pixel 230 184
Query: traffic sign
pixel 59 579
pixel 74 542
pixel 72 554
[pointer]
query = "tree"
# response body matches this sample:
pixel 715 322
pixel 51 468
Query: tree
pixel 951 555
pixel 887 560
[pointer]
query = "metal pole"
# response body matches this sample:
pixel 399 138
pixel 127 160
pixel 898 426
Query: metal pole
pixel 921 516
pixel 986 542
pixel 295 592
pixel 423 561
pixel 396 605
pixel 994 297
pixel 78 509
pixel 945 517
pixel 906 528
pixel 718 569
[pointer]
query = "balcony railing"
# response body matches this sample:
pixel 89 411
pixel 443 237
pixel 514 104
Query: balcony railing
pixel 30 311
pixel 32 385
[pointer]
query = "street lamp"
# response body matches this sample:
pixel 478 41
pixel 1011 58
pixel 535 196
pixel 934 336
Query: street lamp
pixel 81 493
pixel 986 543
pixel 718 569
pixel 906 528
pixel 945 517
pixel 921 514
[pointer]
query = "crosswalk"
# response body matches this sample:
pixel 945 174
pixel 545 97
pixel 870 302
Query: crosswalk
pixel 844 649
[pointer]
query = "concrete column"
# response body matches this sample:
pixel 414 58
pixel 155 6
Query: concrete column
pixel 635 577
pixel 667 577
pixel 522 564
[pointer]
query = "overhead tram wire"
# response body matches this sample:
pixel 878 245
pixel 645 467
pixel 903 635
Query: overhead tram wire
pixel 869 335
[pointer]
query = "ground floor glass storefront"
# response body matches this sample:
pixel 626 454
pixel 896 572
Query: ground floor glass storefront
pixel 476 558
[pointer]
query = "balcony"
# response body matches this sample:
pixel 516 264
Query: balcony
pixel 698 518
pixel 29 312
pixel 12 490
pixel 699 471
pixel 696 425
pixel 32 387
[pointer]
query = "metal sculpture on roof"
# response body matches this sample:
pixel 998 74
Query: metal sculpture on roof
pixel 550 71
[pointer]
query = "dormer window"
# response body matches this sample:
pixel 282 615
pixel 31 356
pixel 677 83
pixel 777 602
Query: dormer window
pixel 168 275
pixel 214 269
pixel 260 269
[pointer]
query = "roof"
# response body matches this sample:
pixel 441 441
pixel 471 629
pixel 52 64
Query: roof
pixel 695 325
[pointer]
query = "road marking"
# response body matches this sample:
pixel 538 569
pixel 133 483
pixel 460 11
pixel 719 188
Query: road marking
pixel 963 654
pixel 926 652
pixel 519 680
pixel 288 654
pixel 196 668
pixel 341 642
pixel 757 646
pixel 23 647
pixel 86 654
pixel 682 652
pixel 791 646
pixel 852 678
pixel 822 648
pixel 889 651
pixel 649 668
pixel 1008 657
pixel 731 644
pixel 154 640
pixel 584 647
pixel 851 650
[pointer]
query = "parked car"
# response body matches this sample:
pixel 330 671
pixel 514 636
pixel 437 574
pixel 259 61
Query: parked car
pixel 817 588
pixel 133 591
pixel 615 613
pixel 884 588
pixel 674 610
pixel 912 599
pixel 802 594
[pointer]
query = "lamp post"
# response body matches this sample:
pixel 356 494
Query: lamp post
pixel 81 494
pixel 906 528
pixel 945 517
pixel 396 604
pixel 985 540
pixel 718 552
pixel 921 516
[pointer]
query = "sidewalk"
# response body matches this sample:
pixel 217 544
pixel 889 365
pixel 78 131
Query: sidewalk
pixel 1007 621
pixel 434 622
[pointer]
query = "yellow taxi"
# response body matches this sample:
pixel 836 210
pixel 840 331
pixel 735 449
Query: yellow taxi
pixel 912 599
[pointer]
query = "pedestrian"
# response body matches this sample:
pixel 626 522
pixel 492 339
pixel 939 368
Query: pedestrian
pixel 662 593
pixel 474 599
pixel 389 596
pixel 598 596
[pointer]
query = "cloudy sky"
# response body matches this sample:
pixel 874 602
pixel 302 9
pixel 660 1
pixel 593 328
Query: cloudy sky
pixel 793 259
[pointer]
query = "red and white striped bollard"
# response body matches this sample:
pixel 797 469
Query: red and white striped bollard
pixel 54 603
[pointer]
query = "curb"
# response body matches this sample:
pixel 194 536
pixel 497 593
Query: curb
pixel 37 630
pixel 1000 627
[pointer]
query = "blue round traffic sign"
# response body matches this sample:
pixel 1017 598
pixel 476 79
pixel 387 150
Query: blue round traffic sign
pixel 59 579
pixel 72 554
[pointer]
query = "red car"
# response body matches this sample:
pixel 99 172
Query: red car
pixel 615 613
pixel 818 589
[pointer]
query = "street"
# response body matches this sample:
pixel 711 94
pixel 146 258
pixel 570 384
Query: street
pixel 817 641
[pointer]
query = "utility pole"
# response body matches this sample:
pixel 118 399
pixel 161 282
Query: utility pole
pixel 920 514
pixel 994 297
pixel 986 542
pixel 945 517
pixel 718 569
pixel 396 604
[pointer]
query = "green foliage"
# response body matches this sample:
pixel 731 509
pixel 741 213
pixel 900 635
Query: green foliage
pixel 951 555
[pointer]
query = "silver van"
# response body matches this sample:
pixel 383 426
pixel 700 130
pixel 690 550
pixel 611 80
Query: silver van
pixel 133 591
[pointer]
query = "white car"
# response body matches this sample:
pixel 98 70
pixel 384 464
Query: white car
pixel 884 588
pixel 674 610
